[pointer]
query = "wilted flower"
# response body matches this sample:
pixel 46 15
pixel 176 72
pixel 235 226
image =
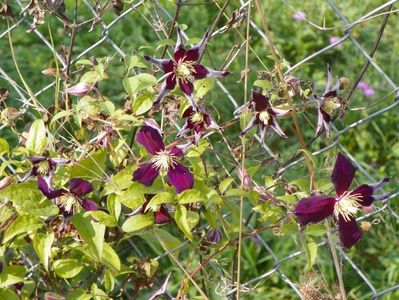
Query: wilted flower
pixel 162 160
pixel 81 89
pixel 265 115
pixel 367 90
pixel 344 206
pixel 44 167
pixel 299 16
pixel 196 121
pixel 70 200
pixel 184 68
pixel 327 104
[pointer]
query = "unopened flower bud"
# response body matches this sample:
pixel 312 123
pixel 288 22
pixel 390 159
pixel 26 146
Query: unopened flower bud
pixel 245 179
pixel 214 236
pixel 344 83
pixel 81 89
pixel 365 226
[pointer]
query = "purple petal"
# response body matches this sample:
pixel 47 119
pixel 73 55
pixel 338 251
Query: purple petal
pixel 47 191
pixel 323 121
pixel 179 48
pixel 343 174
pixel 162 216
pixel 365 192
pixel 89 205
pixel 165 65
pixel 170 81
pixel 187 87
pixel 261 102
pixel 80 187
pixel 214 235
pixel 150 139
pixel 162 290
pixel 250 125
pixel 203 72
pixel 180 177
pixel 177 151
pixel 349 232
pixel 330 80
pixel 36 159
pixel 314 209
pixel 274 125
pixel 194 53
pixel 278 112
pixel 146 174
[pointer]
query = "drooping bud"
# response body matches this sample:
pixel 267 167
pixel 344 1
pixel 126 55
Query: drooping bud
pixel 81 89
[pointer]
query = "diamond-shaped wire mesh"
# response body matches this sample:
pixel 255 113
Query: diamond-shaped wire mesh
pixel 156 14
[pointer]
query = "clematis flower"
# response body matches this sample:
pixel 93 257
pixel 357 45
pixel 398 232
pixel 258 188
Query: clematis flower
pixel 214 236
pixel 162 160
pixel 196 121
pixel 44 166
pixel 184 68
pixel 70 200
pixel 344 206
pixel 327 104
pixel 265 115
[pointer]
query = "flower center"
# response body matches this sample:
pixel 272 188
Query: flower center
pixel 163 160
pixel 43 167
pixel 197 118
pixel 347 206
pixel 330 105
pixel 264 116
pixel 70 203
pixel 184 70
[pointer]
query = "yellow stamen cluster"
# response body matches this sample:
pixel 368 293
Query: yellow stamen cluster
pixel 264 117
pixel 330 105
pixel 69 203
pixel 197 118
pixel 163 160
pixel 43 167
pixel 347 206
pixel 184 70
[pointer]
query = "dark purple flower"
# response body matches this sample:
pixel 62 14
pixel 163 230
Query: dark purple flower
pixel 71 200
pixel 196 121
pixel 161 214
pixel 184 68
pixel 344 206
pixel 327 104
pixel 44 167
pixel 264 115
pixel 162 160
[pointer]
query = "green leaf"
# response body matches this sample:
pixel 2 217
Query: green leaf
pixel 137 222
pixel 110 258
pixel 139 82
pixel 119 182
pixel 160 198
pixel 132 197
pixel 114 207
pixel 203 86
pixel 186 220
pixel 265 84
pixel 79 294
pixel 12 275
pixel 67 268
pixel 103 218
pixel 316 229
pixel 4 147
pixel 311 252
pixel 143 103
pixel 37 137
pixel 109 281
pixel 22 224
pixel 91 232
pixel 133 61
pixel 27 199
pixel 42 244
pixel 60 115
pixel 189 196
pixel 225 184
pixel 91 166
pixel 8 294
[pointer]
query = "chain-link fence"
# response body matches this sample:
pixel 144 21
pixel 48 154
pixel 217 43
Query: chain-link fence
pixel 156 16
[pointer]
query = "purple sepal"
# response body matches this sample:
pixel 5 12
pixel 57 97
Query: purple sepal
pixel 150 139
pixel 162 216
pixel 80 187
pixel 47 191
pixel 365 192
pixel 343 174
pixel 314 209
pixel 180 177
pixel 145 174
pixel 349 232
pixel 88 205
